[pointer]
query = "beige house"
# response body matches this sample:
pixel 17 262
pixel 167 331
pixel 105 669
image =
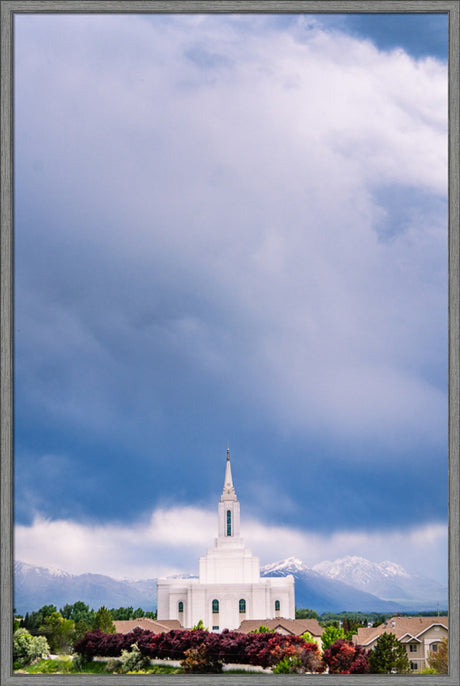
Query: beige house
pixel 287 627
pixel 420 635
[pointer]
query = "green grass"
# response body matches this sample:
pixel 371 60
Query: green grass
pixel 64 666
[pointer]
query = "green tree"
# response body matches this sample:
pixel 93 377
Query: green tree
pixel 103 621
pixel 81 628
pixel 79 612
pixel 33 621
pixel 122 613
pixel 330 635
pixel 305 613
pixel 439 660
pixel 59 632
pixel 261 630
pixel 389 655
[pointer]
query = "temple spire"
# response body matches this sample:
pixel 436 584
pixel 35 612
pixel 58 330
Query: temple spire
pixel 228 492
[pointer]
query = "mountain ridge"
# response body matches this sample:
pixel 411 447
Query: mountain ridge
pixel 326 587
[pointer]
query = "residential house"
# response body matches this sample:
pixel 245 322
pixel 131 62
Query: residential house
pixel 420 635
pixel 124 626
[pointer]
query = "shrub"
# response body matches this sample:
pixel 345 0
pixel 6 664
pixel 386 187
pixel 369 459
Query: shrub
pixel 264 649
pixel 132 660
pixel 297 658
pixel 201 660
pixel 113 665
pixel 308 638
pixel 343 657
pixel 330 635
pixel 199 626
pixel 79 663
pixel 27 648
pixel 288 665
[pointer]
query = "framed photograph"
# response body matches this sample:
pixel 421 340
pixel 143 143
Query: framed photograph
pixel 229 341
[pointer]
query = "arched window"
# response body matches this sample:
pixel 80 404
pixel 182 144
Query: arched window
pixel 181 606
pixel 277 605
pixel 229 523
pixel 215 606
pixel 242 606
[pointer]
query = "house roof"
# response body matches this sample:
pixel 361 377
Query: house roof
pixel 124 626
pixel 291 626
pixel 406 629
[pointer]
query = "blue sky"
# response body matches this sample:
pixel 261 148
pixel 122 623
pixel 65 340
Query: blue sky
pixel 230 229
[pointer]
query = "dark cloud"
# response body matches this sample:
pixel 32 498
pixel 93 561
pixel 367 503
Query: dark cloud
pixel 419 34
pixel 201 266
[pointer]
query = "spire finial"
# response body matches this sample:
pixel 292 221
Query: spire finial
pixel 229 492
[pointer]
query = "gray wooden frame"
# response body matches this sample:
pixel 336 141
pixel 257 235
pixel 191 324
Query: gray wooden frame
pixel 11 7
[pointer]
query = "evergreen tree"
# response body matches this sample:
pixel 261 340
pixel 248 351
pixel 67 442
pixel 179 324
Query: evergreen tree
pixel 33 621
pixel 389 655
pixel 103 621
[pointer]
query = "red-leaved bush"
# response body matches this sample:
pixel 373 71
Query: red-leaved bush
pixel 264 649
pixel 343 657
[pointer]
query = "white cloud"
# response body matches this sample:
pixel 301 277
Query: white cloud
pixel 173 540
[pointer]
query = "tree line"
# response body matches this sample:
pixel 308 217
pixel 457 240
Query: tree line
pixel 65 627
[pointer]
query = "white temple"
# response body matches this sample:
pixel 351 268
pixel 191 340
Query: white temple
pixel 229 588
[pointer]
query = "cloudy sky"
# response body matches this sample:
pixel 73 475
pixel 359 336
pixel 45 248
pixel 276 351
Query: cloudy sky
pixel 230 229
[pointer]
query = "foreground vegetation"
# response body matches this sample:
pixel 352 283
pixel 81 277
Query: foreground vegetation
pixel 76 635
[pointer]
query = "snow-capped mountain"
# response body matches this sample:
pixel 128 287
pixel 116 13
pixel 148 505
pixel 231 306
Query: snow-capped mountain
pixel 291 565
pixel 386 580
pixel 351 583
pixel 37 586
pixel 318 592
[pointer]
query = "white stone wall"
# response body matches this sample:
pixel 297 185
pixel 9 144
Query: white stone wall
pixel 260 600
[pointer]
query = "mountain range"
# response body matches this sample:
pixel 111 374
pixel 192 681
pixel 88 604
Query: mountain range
pixel 356 584
pixel 38 586
pixel 348 584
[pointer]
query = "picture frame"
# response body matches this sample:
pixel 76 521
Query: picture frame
pixel 9 8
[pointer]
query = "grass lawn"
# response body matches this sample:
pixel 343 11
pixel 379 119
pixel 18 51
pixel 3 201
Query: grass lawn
pixel 64 666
